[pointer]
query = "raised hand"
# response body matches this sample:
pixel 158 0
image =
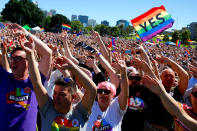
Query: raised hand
pixel 63 63
pixel 28 46
pixel 162 59
pixel 18 28
pixel 153 85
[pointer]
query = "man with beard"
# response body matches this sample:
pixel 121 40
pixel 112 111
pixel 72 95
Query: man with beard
pixel 138 94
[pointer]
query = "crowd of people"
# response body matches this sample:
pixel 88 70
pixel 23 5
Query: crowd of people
pixel 66 82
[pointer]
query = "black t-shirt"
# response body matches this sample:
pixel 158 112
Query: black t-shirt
pixel 156 112
pixel 134 118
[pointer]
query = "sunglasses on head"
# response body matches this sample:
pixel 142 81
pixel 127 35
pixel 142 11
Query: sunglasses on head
pixel 106 92
pixel 17 58
pixel 194 94
pixel 137 78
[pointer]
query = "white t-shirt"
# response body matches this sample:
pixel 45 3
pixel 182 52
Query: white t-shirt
pixel 50 84
pixel 110 120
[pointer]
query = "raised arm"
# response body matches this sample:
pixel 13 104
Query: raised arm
pixel 87 83
pixel 39 89
pixel 124 85
pixel 43 50
pixel 169 103
pixel 67 49
pixel 4 57
pixel 102 46
pixel 183 75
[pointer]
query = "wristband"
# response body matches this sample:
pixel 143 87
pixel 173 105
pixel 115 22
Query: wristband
pixel 99 54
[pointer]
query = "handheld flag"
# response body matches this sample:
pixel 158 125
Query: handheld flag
pixel 151 23
pixel 42 30
pixel 112 44
pixel 66 27
pixel 178 43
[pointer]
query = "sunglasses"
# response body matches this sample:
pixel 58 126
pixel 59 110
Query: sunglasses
pixel 106 92
pixel 17 58
pixel 194 94
pixel 137 78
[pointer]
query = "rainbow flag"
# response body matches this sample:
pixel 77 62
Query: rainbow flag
pixel 137 37
pixel 66 27
pixel 42 30
pixel 178 43
pixel 151 23
pixel 190 41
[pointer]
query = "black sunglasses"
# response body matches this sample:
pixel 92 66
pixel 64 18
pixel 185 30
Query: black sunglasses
pixel 106 92
pixel 194 94
pixel 137 78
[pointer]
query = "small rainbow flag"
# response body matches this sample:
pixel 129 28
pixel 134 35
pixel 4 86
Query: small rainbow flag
pixel 190 41
pixel 178 43
pixel 42 30
pixel 137 37
pixel 151 23
pixel 66 27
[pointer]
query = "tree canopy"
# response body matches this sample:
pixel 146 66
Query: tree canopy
pixel 23 12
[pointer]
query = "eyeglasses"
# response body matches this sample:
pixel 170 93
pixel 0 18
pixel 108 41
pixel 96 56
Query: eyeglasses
pixel 106 92
pixel 137 78
pixel 194 94
pixel 17 58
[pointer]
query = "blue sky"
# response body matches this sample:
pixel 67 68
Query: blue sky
pixel 182 11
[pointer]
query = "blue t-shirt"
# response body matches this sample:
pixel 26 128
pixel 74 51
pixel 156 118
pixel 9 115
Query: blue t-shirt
pixel 18 111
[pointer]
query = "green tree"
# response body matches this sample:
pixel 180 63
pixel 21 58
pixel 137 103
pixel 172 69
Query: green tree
pixel 57 20
pixel 166 38
pixel 185 36
pixel 115 31
pixel 47 22
pixel 23 12
pixel 76 26
pixel 175 36
pixel 102 29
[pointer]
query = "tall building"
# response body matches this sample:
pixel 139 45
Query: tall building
pixel 83 19
pixel 74 18
pixel 91 22
pixel 193 29
pixel 125 23
pixel 53 12
pixel 106 23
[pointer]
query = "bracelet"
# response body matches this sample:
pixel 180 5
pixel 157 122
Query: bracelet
pixel 99 54
pixel 67 79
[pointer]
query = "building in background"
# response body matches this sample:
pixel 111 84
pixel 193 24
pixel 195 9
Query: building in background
pixel 91 22
pixel 193 29
pixel 45 13
pixel 74 18
pixel 106 23
pixel 83 19
pixel 53 12
pixel 125 23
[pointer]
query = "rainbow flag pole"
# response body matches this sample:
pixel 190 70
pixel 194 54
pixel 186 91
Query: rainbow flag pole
pixel 66 27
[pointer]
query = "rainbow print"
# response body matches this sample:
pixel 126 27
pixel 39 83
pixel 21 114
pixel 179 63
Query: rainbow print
pixel 178 43
pixel 66 27
pixel 151 23
pixel 42 30
pixel 137 37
